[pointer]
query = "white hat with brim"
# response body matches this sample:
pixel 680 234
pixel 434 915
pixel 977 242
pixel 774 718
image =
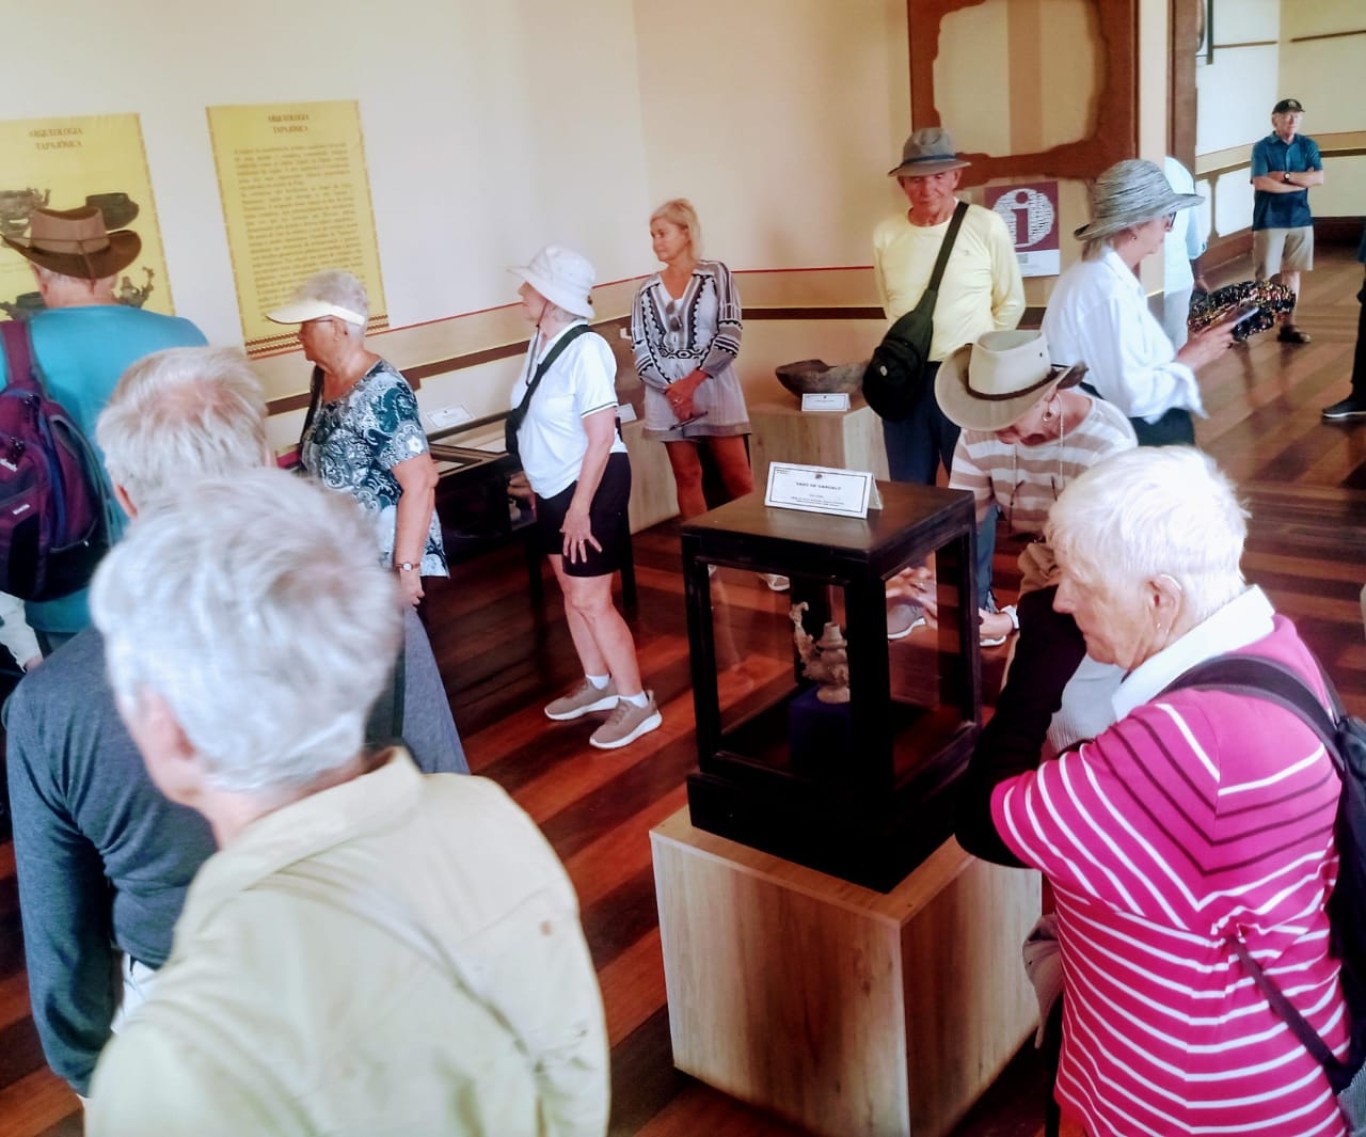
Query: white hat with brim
pixel 302 311
pixel 563 277
pixel 1129 193
pixel 993 383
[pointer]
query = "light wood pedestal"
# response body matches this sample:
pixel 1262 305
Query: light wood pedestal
pixel 844 440
pixel 847 1011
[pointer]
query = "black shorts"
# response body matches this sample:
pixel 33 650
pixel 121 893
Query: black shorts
pixel 607 516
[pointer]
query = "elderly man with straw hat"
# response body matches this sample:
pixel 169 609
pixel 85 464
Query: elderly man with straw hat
pixel 83 341
pixel 981 290
pixel 1098 314
pixel 1027 431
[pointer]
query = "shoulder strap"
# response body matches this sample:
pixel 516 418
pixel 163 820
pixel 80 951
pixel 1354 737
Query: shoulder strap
pixel 315 398
pixel 18 344
pixel 565 340
pixel 946 248
pixel 1262 678
pixel 1308 1037
pixel 366 900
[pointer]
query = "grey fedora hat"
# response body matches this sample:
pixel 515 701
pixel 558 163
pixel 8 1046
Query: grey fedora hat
pixel 1128 193
pixel 928 151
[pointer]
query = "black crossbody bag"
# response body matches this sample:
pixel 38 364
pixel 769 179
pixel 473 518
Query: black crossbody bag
pixel 513 423
pixel 894 380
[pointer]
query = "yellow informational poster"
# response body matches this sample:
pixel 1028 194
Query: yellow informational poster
pixel 296 199
pixel 64 163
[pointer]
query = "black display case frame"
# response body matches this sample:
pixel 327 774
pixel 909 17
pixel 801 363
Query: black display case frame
pixel 871 814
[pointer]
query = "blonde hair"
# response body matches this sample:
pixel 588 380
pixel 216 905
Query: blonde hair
pixel 679 211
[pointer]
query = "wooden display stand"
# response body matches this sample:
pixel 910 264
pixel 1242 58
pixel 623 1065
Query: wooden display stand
pixel 844 440
pixel 850 1012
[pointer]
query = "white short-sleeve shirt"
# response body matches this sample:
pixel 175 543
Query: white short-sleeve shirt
pixel 581 382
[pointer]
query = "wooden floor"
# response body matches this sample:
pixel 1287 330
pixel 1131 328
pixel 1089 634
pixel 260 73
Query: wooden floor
pixel 502 659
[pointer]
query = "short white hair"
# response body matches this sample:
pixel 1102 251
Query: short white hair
pixel 254 606
pixel 1150 512
pixel 339 287
pixel 179 415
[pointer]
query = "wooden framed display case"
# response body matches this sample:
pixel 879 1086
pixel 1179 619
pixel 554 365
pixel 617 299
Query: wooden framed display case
pixel 860 790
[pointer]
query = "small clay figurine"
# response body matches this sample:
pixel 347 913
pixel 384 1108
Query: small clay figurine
pixel 824 661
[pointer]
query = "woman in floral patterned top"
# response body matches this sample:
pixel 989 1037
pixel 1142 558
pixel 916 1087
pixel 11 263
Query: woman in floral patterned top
pixel 363 434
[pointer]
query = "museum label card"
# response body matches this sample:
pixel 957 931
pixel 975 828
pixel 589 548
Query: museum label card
pixel 826 402
pixel 819 489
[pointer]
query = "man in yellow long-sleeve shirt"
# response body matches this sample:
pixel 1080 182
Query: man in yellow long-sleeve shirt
pixel 981 290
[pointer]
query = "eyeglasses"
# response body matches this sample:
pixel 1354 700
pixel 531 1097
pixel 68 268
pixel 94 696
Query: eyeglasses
pixel 675 321
pixel 1171 221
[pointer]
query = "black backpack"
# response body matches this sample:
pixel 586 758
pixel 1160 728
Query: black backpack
pixel 1344 737
pixel 894 380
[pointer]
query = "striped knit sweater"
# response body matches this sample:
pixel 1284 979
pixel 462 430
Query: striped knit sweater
pixel 1025 481
pixel 1197 814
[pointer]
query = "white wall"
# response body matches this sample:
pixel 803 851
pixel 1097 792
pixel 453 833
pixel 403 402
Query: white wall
pixel 484 136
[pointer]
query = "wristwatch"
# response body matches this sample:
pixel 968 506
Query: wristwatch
pixel 406 566
pixel 1285 177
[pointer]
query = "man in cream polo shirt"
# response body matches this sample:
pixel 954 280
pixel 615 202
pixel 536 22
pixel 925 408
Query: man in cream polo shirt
pixel 981 290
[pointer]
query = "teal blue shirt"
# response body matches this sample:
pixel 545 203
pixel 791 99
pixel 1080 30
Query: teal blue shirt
pixel 82 352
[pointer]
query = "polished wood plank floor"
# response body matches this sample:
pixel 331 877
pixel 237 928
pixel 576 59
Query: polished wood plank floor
pixel 503 659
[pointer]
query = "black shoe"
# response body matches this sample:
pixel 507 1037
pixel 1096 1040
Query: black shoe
pixel 1291 334
pixel 1350 407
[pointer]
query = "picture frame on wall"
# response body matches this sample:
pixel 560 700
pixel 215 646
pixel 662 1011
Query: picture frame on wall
pixel 1204 29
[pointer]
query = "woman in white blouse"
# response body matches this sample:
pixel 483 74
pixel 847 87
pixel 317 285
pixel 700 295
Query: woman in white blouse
pixel 1098 314
pixel 685 329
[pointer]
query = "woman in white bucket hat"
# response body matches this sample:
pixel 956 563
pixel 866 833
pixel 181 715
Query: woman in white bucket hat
pixel 363 434
pixel 1098 314
pixel 565 421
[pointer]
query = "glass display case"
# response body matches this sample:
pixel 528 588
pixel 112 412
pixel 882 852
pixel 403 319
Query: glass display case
pixel 860 789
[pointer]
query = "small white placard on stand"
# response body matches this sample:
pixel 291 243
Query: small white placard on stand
pixel 830 402
pixel 819 489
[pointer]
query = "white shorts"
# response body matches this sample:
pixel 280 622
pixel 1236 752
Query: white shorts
pixel 1282 250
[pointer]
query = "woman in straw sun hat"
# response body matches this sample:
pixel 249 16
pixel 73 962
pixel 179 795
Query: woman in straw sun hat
pixel 565 416
pixel 1098 314
pixel 1027 432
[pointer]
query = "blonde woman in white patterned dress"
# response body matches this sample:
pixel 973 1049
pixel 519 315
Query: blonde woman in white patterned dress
pixel 686 329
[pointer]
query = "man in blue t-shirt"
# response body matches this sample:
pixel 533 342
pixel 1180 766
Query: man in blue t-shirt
pixel 1285 166
pixel 83 340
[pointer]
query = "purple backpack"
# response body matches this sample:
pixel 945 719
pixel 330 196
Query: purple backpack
pixel 53 529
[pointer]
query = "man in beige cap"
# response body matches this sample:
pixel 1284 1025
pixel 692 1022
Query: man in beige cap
pixel 83 340
pixel 981 290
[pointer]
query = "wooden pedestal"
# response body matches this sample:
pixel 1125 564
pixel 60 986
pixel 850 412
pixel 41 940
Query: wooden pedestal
pixel 847 1011
pixel 845 440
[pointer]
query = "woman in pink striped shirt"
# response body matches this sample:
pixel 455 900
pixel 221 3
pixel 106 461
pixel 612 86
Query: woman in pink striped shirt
pixel 1197 815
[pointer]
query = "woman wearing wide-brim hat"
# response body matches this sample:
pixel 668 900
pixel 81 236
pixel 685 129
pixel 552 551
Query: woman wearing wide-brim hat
pixel 1098 314
pixel 1028 430
pixel 576 462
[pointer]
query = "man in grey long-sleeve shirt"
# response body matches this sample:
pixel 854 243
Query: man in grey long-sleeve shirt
pixel 103 859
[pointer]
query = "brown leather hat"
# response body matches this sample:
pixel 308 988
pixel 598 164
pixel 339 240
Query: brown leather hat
pixel 74 242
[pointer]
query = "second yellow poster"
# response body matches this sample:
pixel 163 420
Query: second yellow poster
pixel 296 199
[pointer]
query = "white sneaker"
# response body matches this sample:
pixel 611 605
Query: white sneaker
pixel 627 723
pixel 583 700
